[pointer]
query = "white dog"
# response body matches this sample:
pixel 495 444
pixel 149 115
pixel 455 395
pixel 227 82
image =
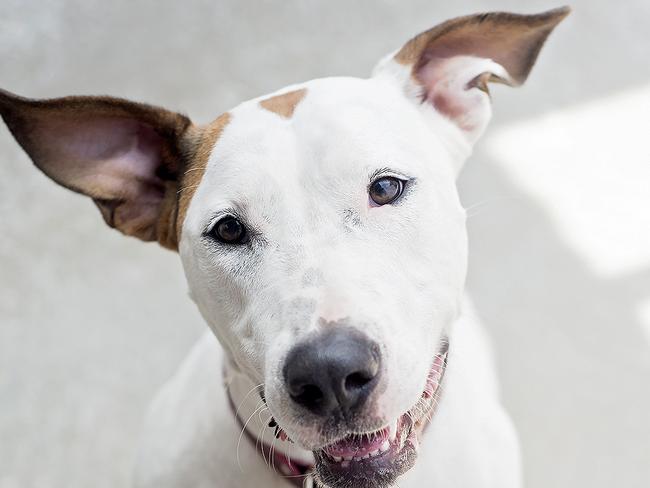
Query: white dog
pixel 324 243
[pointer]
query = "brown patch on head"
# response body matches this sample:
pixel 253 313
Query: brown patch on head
pixel 199 142
pixel 285 104
pixel 512 40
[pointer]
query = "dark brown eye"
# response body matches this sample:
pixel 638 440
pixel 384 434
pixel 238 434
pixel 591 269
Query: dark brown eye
pixel 385 190
pixel 230 230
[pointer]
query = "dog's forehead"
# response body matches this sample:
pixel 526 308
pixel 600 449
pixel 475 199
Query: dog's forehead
pixel 308 123
pixel 313 117
pixel 304 136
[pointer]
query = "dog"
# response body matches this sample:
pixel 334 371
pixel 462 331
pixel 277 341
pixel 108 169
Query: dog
pixel 324 243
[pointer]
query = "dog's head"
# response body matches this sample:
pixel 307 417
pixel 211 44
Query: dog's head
pixel 319 227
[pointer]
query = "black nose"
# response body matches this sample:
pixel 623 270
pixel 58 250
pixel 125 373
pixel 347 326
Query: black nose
pixel 337 370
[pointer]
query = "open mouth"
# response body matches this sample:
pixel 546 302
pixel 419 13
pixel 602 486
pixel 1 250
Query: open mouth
pixel 375 459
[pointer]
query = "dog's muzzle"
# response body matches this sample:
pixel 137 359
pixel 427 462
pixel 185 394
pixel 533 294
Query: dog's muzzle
pixel 333 376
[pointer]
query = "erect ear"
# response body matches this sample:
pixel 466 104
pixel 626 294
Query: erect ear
pixel 451 65
pixel 126 156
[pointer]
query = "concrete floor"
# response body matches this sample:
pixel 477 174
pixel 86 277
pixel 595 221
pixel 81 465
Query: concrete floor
pixel 92 323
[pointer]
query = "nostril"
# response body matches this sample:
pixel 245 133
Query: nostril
pixel 308 395
pixel 357 380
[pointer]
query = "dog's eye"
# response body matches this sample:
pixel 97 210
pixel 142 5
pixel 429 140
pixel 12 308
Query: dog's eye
pixel 385 190
pixel 230 230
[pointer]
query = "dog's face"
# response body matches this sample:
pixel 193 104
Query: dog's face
pixel 320 228
pixel 342 229
pixel 316 250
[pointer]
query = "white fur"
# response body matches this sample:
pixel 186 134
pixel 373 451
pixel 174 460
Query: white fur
pixel 192 440
pixel 321 252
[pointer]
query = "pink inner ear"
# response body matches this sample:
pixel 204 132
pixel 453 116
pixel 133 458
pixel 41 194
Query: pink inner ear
pixel 105 157
pixel 447 82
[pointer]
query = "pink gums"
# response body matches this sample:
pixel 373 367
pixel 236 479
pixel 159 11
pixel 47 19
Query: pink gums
pixel 358 445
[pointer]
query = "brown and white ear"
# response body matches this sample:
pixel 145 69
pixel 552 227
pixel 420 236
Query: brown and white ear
pixel 451 65
pixel 126 156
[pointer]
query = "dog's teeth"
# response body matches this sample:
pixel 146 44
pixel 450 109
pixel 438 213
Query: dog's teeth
pixel 348 458
pixel 374 453
pixel 338 459
pixel 385 446
pixel 392 433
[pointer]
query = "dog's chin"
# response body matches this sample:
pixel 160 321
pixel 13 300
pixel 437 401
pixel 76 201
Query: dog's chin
pixel 376 459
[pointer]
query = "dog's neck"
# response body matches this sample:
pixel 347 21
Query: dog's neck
pixel 254 417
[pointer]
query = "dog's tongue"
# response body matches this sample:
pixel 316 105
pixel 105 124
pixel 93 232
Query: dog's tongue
pixel 359 446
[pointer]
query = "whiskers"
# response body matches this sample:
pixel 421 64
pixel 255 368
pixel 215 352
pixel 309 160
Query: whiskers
pixel 263 419
pixel 427 405
pixel 425 408
pixel 273 457
pixel 260 407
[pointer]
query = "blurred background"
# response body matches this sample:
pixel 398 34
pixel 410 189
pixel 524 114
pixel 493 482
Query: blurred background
pixel 558 192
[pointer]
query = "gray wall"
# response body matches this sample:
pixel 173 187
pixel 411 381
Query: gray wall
pixel 92 323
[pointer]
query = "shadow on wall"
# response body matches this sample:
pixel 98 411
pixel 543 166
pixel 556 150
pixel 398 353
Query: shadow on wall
pixel 558 327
